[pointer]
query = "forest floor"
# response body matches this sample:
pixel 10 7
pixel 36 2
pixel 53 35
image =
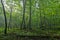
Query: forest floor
pixel 21 37
pixel 17 34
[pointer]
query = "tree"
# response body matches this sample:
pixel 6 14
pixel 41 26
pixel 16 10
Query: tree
pixel 23 19
pixel 5 31
pixel 10 20
pixel 30 15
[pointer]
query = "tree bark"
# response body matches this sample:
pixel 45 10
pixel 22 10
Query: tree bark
pixel 23 25
pixel 30 16
pixel 5 31
pixel 10 20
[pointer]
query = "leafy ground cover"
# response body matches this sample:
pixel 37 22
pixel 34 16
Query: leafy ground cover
pixel 38 34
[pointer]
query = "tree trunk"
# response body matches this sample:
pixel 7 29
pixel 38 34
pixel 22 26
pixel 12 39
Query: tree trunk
pixel 30 16
pixel 23 25
pixel 10 20
pixel 5 31
pixel 9 26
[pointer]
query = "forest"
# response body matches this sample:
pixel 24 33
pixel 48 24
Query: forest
pixel 29 19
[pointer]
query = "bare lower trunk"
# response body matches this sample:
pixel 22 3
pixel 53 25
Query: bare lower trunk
pixel 23 25
pixel 5 31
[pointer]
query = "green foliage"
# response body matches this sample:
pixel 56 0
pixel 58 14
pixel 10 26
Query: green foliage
pixel 45 16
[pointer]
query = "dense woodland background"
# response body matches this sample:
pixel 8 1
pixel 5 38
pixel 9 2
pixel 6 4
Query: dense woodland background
pixel 30 17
